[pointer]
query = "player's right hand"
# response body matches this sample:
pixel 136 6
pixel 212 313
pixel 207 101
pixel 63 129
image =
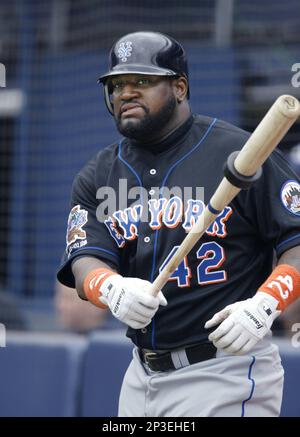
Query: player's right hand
pixel 129 300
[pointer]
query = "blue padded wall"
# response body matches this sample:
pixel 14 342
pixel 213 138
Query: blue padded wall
pixel 107 359
pixel 39 376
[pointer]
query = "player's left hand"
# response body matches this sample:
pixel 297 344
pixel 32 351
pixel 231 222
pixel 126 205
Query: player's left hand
pixel 243 323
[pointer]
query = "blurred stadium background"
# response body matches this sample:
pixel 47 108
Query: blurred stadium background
pixel 53 119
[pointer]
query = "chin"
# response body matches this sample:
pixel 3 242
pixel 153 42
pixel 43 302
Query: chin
pixel 129 127
pixel 130 122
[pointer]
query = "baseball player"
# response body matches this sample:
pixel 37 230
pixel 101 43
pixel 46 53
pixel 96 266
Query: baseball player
pixel 203 345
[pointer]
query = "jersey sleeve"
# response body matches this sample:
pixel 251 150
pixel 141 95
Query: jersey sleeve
pixel 273 204
pixel 86 235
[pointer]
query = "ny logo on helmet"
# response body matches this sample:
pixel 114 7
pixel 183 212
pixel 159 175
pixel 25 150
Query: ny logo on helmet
pixel 124 50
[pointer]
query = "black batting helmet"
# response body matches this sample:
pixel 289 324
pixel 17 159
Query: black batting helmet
pixel 150 53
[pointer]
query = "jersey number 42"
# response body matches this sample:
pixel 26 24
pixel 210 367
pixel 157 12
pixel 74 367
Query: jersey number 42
pixel 212 257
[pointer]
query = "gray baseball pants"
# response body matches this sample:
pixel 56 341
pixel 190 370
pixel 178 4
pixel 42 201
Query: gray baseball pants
pixel 225 386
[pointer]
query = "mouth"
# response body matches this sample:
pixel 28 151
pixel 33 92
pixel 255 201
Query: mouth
pixel 129 108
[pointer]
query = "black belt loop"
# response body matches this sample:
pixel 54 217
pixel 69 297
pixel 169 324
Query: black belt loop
pixel 162 361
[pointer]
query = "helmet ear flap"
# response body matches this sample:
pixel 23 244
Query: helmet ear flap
pixel 107 100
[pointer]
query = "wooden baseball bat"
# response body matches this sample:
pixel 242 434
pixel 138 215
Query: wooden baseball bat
pixel 270 131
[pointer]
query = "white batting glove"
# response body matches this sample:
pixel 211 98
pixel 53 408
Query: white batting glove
pixel 243 323
pixel 129 301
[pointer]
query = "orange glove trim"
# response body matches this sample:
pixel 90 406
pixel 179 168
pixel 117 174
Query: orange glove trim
pixel 283 284
pixel 92 285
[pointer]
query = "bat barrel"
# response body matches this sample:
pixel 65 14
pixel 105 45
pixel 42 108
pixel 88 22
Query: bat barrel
pixel 267 135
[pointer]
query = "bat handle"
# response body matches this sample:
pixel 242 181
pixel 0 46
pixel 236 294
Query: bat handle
pixel 159 282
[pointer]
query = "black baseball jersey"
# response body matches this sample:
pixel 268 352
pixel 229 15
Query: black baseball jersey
pixel 132 206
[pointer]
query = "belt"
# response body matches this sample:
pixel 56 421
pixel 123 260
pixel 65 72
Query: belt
pixel 171 360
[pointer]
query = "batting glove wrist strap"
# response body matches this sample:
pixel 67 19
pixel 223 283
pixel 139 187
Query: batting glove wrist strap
pixel 283 284
pixel 92 286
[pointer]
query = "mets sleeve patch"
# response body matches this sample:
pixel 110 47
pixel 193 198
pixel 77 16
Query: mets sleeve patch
pixel 290 196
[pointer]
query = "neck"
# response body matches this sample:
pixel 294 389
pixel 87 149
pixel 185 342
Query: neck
pixel 169 140
pixel 179 118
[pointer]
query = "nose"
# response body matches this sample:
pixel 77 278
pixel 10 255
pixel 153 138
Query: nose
pixel 129 91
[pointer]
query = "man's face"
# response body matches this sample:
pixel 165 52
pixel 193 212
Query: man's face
pixel 143 104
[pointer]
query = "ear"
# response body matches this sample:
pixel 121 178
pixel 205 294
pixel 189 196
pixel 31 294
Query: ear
pixel 180 86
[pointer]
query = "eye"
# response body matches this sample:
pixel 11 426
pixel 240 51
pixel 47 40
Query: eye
pixel 117 86
pixel 143 81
